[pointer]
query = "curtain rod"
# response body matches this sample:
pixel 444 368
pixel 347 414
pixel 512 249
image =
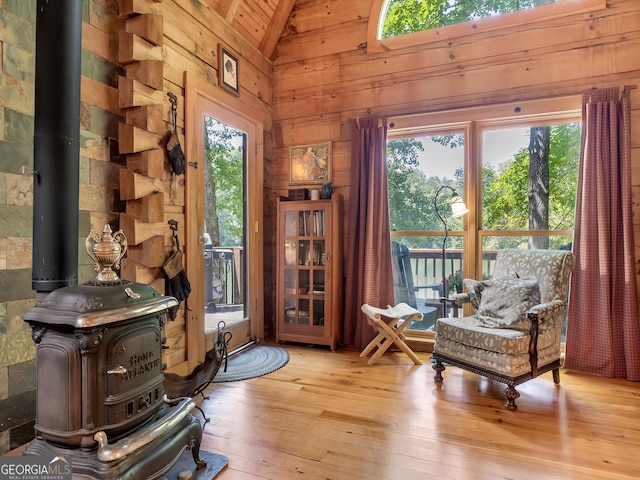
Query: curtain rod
pixel 381 122
pixel 625 88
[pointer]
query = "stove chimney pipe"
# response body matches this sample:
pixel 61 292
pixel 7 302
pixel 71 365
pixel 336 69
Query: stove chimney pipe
pixel 56 144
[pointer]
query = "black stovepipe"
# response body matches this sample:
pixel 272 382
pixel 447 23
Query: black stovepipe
pixel 56 144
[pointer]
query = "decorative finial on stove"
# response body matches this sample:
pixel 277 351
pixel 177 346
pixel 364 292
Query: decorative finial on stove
pixel 106 252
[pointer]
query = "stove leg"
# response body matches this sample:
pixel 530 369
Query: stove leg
pixel 195 451
pixel 195 438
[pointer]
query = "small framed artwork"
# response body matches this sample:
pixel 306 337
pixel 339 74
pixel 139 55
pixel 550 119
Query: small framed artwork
pixel 228 69
pixel 310 163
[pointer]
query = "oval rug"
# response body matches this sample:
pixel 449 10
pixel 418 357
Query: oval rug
pixel 253 362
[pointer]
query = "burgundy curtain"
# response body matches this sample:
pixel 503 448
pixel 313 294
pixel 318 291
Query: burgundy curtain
pixel 368 261
pixel 603 333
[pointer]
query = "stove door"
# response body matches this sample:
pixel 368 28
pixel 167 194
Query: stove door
pixel 133 370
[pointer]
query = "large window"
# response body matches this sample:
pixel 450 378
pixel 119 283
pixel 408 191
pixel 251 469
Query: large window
pixel 517 174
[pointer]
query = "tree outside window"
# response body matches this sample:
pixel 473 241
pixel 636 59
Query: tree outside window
pixel 407 16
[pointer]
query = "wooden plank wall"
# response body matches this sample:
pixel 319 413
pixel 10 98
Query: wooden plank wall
pixel 191 32
pixel 324 77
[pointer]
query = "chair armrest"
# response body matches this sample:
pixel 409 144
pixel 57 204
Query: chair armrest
pixel 458 299
pixel 544 310
pixel 535 314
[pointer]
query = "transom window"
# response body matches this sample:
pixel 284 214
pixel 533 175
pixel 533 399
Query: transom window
pixel 396 24
pixel 407 16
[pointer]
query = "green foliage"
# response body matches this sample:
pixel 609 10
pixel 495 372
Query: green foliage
pixel 412 193
pixel 407 185
pixel 408 16
pixel 505 202
pixel 226 156
pixel 452 141
pixel 504 190
pixel 563 171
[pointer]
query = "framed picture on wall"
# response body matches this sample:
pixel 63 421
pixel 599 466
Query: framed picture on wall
pixel 310 164
pixel 228 69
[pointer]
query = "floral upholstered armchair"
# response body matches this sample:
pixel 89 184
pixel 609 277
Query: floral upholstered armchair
pixel 515 333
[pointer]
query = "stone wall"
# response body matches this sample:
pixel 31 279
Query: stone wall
pixel 98 183
pixel 17 365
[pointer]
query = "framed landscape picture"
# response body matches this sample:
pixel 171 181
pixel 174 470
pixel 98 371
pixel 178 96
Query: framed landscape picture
pixel 228 70
pixel 310 164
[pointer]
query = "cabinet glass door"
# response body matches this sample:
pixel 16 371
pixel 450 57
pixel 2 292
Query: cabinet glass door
pixel 309 303
pixel 304 270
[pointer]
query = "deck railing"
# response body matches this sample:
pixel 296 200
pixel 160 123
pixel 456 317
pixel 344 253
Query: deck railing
pixel 426 265
pixel 227 274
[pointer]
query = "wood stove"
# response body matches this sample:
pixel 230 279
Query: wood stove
pixel 100 398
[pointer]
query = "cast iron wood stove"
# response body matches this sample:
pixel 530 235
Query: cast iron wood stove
pixel 100 398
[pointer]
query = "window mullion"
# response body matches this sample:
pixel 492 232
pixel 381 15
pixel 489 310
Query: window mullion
pixel 473 191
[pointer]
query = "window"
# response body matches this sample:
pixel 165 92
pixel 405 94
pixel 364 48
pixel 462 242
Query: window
pixel 528 184
pixel 417 167
pixel 400 17
pixel 515 166
pixel 395 24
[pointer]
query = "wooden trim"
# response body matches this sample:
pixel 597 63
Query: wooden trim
pixel 194 250
pixel 231 111
pixel 474 27
pixel 524 111
pixel 276 26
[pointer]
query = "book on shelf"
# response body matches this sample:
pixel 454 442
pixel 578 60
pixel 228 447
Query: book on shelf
pixel 304 223
pixel 319 223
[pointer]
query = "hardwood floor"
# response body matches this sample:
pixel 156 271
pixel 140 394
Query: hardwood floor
pixel 327 415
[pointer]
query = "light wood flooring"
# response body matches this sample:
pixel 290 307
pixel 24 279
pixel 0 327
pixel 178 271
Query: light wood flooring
pixel 327 415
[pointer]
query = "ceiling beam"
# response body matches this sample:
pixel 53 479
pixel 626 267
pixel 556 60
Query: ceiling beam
pixel 276 26
pixel 228 9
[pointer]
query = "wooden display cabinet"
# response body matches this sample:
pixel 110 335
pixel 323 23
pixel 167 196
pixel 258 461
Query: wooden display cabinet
pixel 310 286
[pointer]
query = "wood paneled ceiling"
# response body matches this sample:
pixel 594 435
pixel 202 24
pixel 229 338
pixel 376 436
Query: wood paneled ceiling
pixel 260 22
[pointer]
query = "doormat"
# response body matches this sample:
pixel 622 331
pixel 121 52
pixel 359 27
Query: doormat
pixel 215 464
pixel 253 362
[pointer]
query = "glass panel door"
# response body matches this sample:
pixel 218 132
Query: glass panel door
pixel 225 226
pixel 304 269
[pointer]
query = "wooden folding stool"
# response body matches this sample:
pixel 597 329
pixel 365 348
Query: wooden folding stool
pixel 390 332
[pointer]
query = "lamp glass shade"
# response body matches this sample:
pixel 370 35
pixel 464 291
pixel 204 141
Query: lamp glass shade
pixel 458 208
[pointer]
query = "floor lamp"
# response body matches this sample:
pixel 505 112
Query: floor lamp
pixel 458 209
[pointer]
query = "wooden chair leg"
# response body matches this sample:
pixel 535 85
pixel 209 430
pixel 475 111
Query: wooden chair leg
pixel 556 376
pixel 382 347
pixel 439 368
pixel 390 333
pixel 405 348
pixel 372 344
pixel 511 394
